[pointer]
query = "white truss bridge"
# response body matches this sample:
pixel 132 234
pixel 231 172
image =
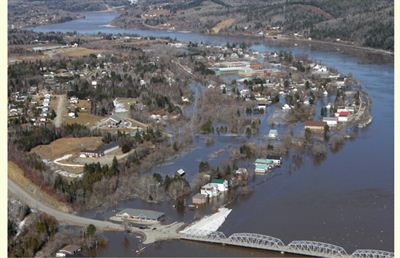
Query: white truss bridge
pixel 302 247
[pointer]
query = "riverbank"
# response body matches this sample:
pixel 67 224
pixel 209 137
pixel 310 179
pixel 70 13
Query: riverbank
pixel 334 196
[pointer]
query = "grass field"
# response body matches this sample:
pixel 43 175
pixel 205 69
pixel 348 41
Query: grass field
pixel 68 145
pixel 223 24
pixel 84 117
pixel 17 175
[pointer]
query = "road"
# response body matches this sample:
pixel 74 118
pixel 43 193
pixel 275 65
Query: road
pixel 150 235
pixel 59 215
pixel 59 111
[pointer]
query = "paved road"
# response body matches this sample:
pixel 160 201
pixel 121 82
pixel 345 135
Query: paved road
pixel 59 215
pixel 162 232
pixel 59 111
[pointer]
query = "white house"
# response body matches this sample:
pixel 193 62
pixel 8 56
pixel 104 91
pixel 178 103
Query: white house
pixel 222 184
pixel 273 134
pixel 210 190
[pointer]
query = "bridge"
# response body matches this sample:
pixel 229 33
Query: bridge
pixel 172 231
pixel 302 247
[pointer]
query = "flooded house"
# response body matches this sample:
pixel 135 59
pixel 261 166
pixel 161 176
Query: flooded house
pixel 140 216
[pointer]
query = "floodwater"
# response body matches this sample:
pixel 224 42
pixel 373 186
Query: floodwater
pixel 348 200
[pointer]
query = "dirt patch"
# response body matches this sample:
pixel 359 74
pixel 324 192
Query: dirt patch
pixel 223 24
pixel 68 145
pixel 17 175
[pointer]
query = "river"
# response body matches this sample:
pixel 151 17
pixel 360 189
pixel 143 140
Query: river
pixel 348 200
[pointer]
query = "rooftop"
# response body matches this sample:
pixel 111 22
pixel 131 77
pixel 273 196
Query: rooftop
pixel 140 213
pixel 263 161
pixel 218 180
pixel 70 249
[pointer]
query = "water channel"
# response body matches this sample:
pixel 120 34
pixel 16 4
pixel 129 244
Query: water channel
pixel 348 200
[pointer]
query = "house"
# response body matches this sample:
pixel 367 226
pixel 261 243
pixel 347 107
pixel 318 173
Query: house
pixel 180 172
pixel 209 190
pixel 71 114
pixel 73 100
pixel 342 113
pixel 69 250
pixel 261 168
pixel 314 125
pixel 343 118
pixel 330 121
pixel 112 122
pixel 275 159
pixel 340 81
pixel 100 151
pixel 199 199
pixel 273 134
pixel 139 216
pixel 222 184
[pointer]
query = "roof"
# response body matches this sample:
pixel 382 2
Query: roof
pixel 314 123
pixel 344 113
pixel 263 161
pixel 180 171
pixel 107 146
pixel 102 148
pixel 261 166
pixel 71 249
pixel 274 157
pixel 218 180
pixel 329 119
pixel 140 213
pixel 115 118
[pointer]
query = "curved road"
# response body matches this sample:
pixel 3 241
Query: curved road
pixel 59 215
pixel 149 235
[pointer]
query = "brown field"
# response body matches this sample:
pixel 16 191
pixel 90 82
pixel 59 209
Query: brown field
pixel 223 24
pixel 76 52
pixel 83 118
pixel 68 145
pixel 17 175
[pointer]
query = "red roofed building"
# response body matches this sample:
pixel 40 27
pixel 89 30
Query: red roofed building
pixel 342 113
pixel 314 125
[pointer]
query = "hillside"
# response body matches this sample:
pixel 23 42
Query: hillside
pixel 365 22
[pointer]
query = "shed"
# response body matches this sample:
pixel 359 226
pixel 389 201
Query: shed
pixel 180 172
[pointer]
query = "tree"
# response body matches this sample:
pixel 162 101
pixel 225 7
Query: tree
pixel 204 166
pixel 90 230
pixel 158 177
pixel 107 138
pixel 326 132
pixel 114 166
